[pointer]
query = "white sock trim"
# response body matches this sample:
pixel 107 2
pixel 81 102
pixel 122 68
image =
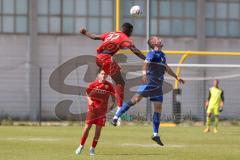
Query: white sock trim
pixel 115 117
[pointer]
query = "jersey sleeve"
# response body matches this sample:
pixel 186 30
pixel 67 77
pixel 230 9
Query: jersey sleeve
pixel 103 36
pixel 149 57
pixel 126 43
pixel 89 88
pixel 164 60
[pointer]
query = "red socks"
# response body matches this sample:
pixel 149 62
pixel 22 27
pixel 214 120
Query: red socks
pixel 83 140
pixel 94 143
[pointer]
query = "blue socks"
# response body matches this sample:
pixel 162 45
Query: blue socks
pixel 156 122
pixel 125 107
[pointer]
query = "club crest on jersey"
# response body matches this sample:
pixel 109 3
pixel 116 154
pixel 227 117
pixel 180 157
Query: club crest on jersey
pixel 106 86
pixel 100 91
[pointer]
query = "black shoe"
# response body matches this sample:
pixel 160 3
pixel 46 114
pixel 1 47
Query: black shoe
pixel 157 140
pixel 114 122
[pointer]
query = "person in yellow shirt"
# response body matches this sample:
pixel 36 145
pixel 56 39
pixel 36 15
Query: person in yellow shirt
pixel 214 105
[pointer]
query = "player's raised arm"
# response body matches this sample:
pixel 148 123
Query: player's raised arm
pixel 89 34
pixel 171 73
pixel 137 52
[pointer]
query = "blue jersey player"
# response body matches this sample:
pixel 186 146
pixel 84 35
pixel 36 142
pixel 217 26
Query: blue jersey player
pixel 153 75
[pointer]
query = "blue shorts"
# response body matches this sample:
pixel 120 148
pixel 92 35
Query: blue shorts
pixel 152 89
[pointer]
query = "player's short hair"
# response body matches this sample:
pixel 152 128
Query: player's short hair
pixel 150 42
pixel 127 28
pixel 99 70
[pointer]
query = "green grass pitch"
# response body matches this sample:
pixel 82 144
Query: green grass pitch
pixel 118 143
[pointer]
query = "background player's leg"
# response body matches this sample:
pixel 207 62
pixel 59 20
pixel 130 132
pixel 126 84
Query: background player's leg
pixel 119 87
pixel 85 134
pixel 95 139
pixel 83 138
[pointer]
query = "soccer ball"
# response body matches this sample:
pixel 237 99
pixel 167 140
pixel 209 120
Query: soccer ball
pixel 135 11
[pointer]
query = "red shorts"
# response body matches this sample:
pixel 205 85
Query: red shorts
pixel 98 121
pixel 106 62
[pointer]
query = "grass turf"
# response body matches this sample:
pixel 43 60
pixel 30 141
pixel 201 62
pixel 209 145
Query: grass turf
pixel 125 142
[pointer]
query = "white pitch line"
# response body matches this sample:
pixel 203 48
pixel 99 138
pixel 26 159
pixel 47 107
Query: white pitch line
pixel 172 145
pixel 152 145
pixel 207 78
pixel 192 65
pixel 31 139
pixel 206 65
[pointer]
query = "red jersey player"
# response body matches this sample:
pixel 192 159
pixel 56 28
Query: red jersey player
pixel 112 43
pixel 98 93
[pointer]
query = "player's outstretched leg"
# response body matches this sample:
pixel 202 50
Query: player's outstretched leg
pixel 156 122
pixel 124 108
pixel 83 139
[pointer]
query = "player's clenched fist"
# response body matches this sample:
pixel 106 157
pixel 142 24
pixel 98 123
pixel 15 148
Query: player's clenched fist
pixel 83 30
pixel 180 80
